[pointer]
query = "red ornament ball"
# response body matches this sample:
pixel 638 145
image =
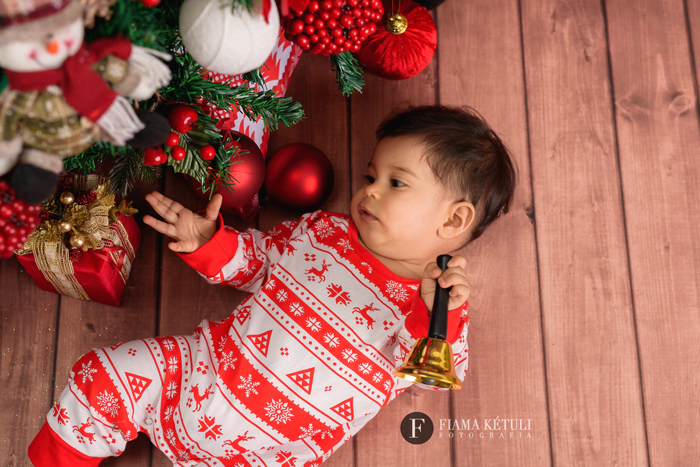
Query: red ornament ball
pixel 17 220
pixel 207 152
pixel 154 156
pixel 347 22
pixel 178 153
pixel 182 118
pixel 299 177
pixel 247 170
pixel 151 3
pixel 407 50
pixel 173 140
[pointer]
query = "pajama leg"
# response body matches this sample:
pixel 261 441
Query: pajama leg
pixel 111 395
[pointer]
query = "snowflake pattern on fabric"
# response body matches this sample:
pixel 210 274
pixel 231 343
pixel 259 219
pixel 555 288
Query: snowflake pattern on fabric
pixel 313 324
pixel 396 291
pixel 278 411
pixel 323 229
pixel 173 365
pixel 331 339
pixel 87 371
pixel 171 390
pixel 282 295
pixel 248 385
pixel 108 403
pixel 307 432
pixel 227 361
pixel 296 308
pixel 344 243
pixel 349 355
pixel 169 345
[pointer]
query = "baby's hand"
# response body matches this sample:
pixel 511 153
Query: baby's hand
pixel 189 230
pixel 453 276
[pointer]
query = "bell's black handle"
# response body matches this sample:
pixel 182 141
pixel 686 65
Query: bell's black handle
pixel 437 329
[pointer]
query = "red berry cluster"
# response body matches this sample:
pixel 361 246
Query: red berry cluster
pixel 17 220
pixel 334 26
pixel 86 198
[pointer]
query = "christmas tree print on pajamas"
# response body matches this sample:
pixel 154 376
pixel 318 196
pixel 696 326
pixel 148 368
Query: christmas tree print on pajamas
pixel 298 368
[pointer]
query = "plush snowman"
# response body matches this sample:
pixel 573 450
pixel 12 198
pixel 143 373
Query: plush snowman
pixel 65 95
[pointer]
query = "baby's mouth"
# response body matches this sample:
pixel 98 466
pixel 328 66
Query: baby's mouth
pixel 365 214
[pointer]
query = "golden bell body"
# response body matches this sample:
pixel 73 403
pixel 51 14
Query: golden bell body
pixel 430 362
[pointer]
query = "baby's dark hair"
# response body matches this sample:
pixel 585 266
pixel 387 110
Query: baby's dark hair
pixel 464 153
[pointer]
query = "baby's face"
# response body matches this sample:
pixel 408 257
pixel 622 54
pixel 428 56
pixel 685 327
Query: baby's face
pixel 399 208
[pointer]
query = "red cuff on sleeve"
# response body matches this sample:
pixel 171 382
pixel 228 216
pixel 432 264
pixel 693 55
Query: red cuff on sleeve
pixel 418 320
pixel 213 255
pixel 49 450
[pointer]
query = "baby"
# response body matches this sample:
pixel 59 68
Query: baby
pixel 336 303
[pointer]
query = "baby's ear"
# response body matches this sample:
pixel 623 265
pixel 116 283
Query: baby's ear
pixel 461 215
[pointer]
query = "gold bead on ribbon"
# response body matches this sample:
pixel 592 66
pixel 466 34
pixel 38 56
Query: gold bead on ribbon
pixel 65 225
pixel 67 198
pixel 396 23
pixel 77 241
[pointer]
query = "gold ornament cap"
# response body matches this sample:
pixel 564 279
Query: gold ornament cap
pixel 65 225
pixel 67 198
pixel 396 23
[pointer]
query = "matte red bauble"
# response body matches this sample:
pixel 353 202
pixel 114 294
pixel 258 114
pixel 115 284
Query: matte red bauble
pixel 299 177
pixel 403 45
pixel 248 171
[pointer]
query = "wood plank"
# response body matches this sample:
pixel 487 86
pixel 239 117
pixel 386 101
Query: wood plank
pixel 84 325
pixel 380 442
pixel 658 139
pixel 595 401
pixel 502 263
pixel 325 126
pixel 28 339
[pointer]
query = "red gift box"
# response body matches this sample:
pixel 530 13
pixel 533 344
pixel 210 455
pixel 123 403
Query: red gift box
pixel 99 275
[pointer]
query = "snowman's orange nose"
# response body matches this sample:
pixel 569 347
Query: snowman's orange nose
pixel 52 47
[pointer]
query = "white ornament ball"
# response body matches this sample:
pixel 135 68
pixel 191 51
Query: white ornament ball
pixel 226 41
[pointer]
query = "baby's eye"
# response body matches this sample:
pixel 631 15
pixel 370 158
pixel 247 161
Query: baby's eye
pixel 397 184
pixel 369 178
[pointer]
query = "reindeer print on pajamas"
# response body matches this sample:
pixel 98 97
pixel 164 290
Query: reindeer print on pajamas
pixel 296 370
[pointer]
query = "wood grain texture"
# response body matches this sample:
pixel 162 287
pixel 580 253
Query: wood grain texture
pixel 325 126
pixel 594 389
pixel 28 340
pixel 506 367
pixel 84 325
pixel 380 442
pixel 659 141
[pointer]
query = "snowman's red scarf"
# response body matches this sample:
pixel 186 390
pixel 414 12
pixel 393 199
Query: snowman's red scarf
pixel 82 87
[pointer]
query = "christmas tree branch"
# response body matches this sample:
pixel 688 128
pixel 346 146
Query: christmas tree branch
pixel 348 73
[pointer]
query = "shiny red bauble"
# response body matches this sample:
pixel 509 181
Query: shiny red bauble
pixel 299 177
pixel 182 118
pixel 247 170
pixel 151 3
pixel 348 22
pixel 154 156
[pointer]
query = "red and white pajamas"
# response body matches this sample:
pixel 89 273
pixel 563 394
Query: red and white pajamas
pixel 298 368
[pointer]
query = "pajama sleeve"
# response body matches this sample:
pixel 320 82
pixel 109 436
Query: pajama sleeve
pixel 415 326
pixel 243 259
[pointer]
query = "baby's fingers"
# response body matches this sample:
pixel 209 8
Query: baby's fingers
pixel 458 296
pixel 160 226
pixel 167 208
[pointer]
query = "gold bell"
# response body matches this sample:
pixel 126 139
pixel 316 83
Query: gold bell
pixel 430 361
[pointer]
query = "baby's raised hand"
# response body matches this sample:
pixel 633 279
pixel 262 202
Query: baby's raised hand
pixel 454 276
pixel 189 230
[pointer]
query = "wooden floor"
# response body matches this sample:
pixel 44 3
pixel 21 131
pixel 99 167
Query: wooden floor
pixel 585 310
